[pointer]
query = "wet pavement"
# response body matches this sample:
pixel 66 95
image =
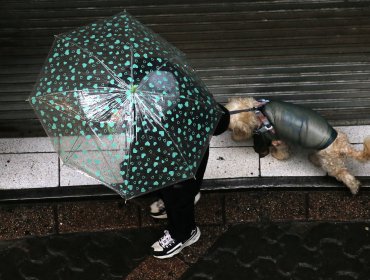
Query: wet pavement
pixel 280 234
pixel 288 251
pixel 105 255
pixel 298 250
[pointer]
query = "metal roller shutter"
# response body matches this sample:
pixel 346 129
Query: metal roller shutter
pixel 315 53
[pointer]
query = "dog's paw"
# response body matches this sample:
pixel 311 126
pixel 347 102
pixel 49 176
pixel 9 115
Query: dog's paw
pixel 280 152
pixel 353 184
pixel 355 190
pixel 280 155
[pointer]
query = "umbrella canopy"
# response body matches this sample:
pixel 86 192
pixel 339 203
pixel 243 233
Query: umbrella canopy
pixel 123 106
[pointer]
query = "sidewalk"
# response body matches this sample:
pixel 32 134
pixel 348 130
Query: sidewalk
pixel 32 162
pixel 259 218
pixel 246 234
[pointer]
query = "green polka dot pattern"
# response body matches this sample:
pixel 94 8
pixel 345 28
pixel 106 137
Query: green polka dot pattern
pixel 123 106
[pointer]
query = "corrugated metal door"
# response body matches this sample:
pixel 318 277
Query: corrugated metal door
pixel 315 53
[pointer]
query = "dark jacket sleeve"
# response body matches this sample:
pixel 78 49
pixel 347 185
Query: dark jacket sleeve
pixel 223 124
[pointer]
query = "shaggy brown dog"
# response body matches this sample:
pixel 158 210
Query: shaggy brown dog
pixel 330 157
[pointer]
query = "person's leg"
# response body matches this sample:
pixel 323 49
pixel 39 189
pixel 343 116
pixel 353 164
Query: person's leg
pixel 179 203
pixel 157 208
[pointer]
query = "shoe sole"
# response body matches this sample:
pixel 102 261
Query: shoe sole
pixel 163 216
pixel 186 244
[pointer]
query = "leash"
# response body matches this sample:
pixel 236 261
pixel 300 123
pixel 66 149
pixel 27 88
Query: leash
pixel 262 102
pixel 243 110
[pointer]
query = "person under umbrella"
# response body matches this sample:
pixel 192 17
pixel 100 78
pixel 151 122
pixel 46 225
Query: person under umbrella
pixel 178 199
pixel 179 206
pixel 120 104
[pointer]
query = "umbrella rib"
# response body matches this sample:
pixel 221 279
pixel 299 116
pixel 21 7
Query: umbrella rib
pixel 71 152
pixel 44 98
pixel 168 134
pixel 100 150
pixel 132 65
pixel 194 100
pixel 61 92
pixel 154 93
pixel 110 71
pixel 187 98
pixel 71 115
pixel 132 136
pixel 132 53
pixel 64 113
pixel 180 152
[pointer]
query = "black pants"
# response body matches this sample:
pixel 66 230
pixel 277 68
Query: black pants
pixel 179 202
pixel 179 199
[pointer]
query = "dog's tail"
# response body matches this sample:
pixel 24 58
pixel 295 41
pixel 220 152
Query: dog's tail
pixel 366 150
pixel 363 155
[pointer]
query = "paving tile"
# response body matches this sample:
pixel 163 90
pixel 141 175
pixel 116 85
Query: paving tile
pixel 224 140
pixel 339 206
pixel 232 163
pixel 356 134
pixel 97 215
pixel 297 165
pixel 102 161
pixel 94 143
pixel 35 170
pixel 71 177
pixel 25 145
pixel 156 269
pixel 20 220
pixel 242 207
pixel 283 205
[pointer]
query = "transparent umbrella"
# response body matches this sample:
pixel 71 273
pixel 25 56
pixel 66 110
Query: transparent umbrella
pixel 123 106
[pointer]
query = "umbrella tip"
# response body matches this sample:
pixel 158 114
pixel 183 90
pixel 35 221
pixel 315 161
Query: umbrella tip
pixel 134 88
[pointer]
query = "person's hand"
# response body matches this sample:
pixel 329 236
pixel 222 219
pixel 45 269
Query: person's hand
pixel 113 121
pixel 116 117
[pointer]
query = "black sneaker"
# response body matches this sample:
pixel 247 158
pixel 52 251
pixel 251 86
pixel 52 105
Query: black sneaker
pixel 158 211
pixel 167 247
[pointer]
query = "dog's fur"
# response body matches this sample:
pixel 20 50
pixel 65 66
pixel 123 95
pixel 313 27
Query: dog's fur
pixel 331 159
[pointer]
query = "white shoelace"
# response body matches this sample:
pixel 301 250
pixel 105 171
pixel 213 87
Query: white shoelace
pixel 166 240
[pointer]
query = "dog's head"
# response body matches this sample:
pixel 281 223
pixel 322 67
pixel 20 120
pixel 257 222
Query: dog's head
pixel 242 124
